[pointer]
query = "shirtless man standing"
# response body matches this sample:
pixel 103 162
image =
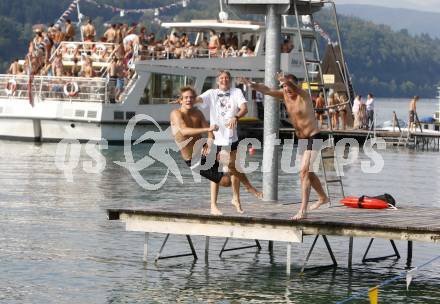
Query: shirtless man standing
pixel 89 31
pixel 188 122
pixel 302 116
pixel 412 113
pixel 214 43
pixel 14 68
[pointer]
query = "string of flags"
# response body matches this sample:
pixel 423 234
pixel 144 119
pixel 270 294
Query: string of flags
pixel 156 11
pixel 122 11
pixel 321 32
pixel 373 293
pixel 67 13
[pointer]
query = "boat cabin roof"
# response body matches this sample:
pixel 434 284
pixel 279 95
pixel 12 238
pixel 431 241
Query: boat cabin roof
pixel 226 26
pixel 218 26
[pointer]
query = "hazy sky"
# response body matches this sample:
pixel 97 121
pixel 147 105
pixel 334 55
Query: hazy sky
pixel 422 5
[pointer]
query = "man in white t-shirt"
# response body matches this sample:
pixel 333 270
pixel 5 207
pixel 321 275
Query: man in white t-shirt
pixel 226 106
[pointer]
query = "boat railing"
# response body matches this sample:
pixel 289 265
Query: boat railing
pixel 50 88
pixel 187 53
pixel 98 51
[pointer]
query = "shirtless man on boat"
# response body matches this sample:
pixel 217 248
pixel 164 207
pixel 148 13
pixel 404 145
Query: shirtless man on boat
pixel 188 123
pixel 302 116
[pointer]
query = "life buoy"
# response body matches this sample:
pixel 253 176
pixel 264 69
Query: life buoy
pixel 364 202
pixel 100 50
pixel 71 89
pixel 71 49
pixel 11 87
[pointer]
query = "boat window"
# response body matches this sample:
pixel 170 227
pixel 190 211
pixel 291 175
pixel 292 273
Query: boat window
pixel 210 82
pixel 118 115
pixel 287 44
pixel 129 115
pixel 163 89
pixel 308 44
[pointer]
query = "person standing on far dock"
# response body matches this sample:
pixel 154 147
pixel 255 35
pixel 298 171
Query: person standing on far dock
pixel 370 110
pixel 412 113
pixel 188 123
pixel 226 106
pixel 299 107
pixel 357 111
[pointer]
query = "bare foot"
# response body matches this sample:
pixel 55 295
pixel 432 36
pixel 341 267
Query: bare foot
pixel 319 203
pixel 237 205
pixel 256 193
pixel 299 216
pixel 215 211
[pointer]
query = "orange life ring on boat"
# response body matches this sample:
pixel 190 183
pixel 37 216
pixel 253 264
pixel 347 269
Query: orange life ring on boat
pixel 364 202
pixel 11 86
pixel 71 89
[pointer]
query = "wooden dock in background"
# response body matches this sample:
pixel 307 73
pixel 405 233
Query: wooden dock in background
pixel 270 221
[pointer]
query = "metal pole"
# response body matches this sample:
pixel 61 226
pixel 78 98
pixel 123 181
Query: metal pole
pixel 288 258
pixel 145 247
pixel 271 105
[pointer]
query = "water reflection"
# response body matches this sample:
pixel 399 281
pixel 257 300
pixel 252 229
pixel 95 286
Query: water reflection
pixel 58 246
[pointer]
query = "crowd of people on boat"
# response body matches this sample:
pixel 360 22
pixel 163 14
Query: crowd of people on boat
pixel 123 41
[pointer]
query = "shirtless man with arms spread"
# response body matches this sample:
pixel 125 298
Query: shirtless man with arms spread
pixel 302 116
pixel 188 122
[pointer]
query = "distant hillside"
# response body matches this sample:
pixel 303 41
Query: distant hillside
pixel 416 22
pixel 381 60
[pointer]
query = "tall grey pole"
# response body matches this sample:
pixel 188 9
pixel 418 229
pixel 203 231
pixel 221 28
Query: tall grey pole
pixel 271 105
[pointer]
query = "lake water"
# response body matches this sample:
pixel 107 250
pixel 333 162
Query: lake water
pixel 57 246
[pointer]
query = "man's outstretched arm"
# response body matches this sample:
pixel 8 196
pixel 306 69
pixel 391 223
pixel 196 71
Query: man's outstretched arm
pixel 179 125
pixel 262 88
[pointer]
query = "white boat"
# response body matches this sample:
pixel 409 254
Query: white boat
pixel 432 123
pixel 80 108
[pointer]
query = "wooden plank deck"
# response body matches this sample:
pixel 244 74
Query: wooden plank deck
pixel 413 223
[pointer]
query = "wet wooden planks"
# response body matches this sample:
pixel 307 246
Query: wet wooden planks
pixel 406 223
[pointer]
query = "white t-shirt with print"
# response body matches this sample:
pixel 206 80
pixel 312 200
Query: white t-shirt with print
pixel 222 107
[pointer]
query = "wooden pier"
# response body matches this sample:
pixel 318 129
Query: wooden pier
pixel 423 141
pixel 270 221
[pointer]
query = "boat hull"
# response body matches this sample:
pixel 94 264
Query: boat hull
pixel 52 130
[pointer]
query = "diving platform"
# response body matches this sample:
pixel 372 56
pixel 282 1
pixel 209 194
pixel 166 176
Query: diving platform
pixel 270 221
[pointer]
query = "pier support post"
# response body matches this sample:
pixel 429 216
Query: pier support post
pixel 271 106
pixel 145 247
pixel 206 248
pixel 409 254
pixel 350 253
pixel 288 258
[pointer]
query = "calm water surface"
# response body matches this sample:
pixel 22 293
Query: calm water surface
pixel 57 245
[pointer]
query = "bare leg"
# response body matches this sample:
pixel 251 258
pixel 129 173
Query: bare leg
pixel 214 194
pixel 305 186
pixel 236 194
pixel 316 185
pixel 242 177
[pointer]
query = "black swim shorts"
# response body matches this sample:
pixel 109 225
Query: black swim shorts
pixel 310 141
pixel 233 146
pixel 212 173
